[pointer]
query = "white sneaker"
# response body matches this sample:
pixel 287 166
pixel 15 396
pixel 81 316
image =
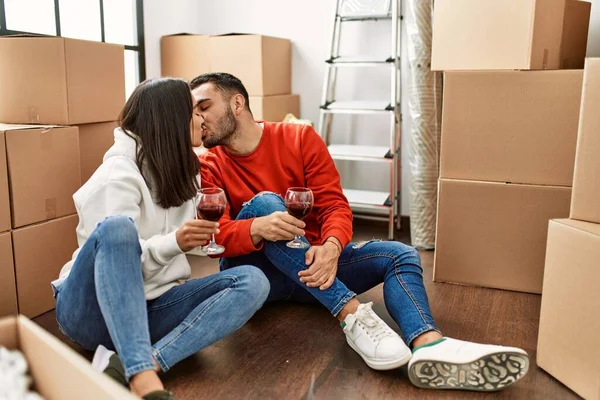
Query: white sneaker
pixel 374 340
pixel 454 364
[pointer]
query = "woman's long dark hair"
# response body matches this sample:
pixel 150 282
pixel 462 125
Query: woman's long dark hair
pixel 157 116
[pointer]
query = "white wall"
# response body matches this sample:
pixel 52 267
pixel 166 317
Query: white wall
pixel 165 18
pixel 593 49
pixel 308 25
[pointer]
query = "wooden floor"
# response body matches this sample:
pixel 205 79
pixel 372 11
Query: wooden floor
pixel 290 351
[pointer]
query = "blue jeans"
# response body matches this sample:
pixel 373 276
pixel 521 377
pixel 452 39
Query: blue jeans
pixel 360 268
pixel 102 301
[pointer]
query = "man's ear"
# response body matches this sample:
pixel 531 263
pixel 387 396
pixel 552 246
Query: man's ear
pixel 238 103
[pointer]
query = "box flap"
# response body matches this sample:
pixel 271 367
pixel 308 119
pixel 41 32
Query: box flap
pixel 9 337
pixel 587 227
pixel 182 34
pixel 55 367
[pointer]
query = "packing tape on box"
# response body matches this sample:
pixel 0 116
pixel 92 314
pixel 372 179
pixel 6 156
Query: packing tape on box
pixel 34 116
pixel 46 139
pixel 51 208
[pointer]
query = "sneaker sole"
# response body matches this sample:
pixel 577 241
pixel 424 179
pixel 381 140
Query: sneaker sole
pixel 382 365
pixel 486 374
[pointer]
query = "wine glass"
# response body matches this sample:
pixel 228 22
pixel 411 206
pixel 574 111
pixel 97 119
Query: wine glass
pixel 298 202
pixel 211 206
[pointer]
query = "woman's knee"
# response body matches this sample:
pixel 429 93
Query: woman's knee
pixel 265 203
pixel 118 228
pixel 256 282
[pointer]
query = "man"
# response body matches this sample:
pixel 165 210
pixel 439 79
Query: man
pixel 255 162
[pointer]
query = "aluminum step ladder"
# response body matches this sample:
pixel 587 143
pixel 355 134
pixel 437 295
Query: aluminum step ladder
pixel 365 202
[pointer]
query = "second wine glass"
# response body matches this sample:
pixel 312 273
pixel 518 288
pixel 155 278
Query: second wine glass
pixel 211 206
pixel 299 202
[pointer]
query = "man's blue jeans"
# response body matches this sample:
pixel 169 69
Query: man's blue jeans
pixel 102 302
pixel 360 268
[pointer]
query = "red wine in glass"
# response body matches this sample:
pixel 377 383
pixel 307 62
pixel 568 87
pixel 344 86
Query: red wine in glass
pixel 299 202
pixel 299 210
pixel 211 212
pixel 211 206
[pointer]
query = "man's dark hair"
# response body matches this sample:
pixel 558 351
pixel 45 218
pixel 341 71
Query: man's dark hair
pixel 157 116
pixel 226 83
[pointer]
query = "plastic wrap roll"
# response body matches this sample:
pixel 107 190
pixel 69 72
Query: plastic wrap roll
pixel 425 100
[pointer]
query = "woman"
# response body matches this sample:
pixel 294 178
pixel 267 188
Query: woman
pixel 122 290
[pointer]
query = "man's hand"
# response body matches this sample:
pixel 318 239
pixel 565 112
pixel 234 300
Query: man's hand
pixel 323 261
pixel 277 226
pixel 195 233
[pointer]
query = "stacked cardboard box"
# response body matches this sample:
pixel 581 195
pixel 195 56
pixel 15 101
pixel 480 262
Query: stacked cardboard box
pixel 262 63
pixel 570 300
pixel 57 95
pixel 509 130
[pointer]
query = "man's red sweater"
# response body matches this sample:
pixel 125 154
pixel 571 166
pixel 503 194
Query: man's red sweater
pixel 288 155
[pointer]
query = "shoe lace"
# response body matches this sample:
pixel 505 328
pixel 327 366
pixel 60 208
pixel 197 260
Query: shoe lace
pixel 371 323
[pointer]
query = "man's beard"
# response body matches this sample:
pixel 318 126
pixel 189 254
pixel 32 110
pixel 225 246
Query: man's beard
pixel 224 132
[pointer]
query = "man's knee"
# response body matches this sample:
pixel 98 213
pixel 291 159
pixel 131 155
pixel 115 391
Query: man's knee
pixel 265 203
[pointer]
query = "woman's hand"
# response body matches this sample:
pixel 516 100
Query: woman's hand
pixel 195 233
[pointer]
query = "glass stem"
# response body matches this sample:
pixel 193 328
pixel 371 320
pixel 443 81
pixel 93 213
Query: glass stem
pixel 213 239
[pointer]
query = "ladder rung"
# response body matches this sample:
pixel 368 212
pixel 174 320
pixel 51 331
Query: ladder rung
pixel 357 107
pixel 367 198
pixel 360 153
pixel 365 17
pixel 359 61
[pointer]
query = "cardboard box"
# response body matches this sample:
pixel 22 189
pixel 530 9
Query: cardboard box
pixel 509 34
pixel 4 195
pixel 8 288
pixel 184 56
pixel 94 142
pixel 569 328
pixel 494 234
pixel 511 126
pixel 586 184
pixel 274 108
pixel 44 172
pixel 40 252
pixel 262 63
pixel 58 372
pixel 55 80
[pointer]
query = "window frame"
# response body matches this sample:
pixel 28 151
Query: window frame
pixel 140 48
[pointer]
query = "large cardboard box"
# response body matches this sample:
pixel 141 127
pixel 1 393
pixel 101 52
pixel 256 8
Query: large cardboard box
pixel 54 80
pixel 184 56
pixel 58 372
pixel 94 141
pixel 511 126
pixel 4 196
pixel 262 63
pixel 494 234
pixel 569 328
pixel 586 184
pixel 8 288
pixel 40 252
pixel 509 34
pixel 274 108
pixel 44 172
